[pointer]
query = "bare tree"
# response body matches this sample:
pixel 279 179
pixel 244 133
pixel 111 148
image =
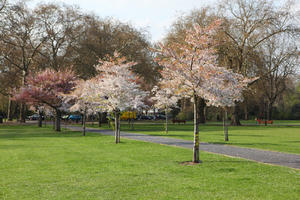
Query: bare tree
pixel 248 24
pixel 280 59
pixel 21 37
pixel 59 24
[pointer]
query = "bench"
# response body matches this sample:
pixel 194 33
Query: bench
pixel 264 121
pixel 178 121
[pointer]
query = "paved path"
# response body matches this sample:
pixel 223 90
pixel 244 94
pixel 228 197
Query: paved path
pixel 269 157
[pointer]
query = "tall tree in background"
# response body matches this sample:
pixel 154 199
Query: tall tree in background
pixel 280 61
pixel 61 25
pixel 249 24
pixel 22 39
pixel 103 37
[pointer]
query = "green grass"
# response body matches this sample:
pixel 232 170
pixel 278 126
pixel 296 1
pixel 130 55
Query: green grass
pixel 37 163
pixel 274 138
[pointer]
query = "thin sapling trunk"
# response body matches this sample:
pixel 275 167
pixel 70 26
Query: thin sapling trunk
pixel 225 127
pixel 84 122
pixel 196 132
pixel 166 113
pixel 117 127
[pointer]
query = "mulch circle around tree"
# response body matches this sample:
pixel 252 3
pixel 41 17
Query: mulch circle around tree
pixel 190 163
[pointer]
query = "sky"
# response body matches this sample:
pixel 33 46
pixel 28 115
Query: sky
pixel 155 16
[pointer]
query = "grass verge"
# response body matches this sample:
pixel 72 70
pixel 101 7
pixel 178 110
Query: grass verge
pixel 37 163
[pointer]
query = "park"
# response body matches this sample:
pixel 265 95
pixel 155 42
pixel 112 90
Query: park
pixel 91 108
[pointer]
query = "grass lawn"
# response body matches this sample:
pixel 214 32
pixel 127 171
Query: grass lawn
pixel 274 138
pixel 37 163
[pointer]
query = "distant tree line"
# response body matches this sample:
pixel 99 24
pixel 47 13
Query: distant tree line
pixel 58 37
pixel 257 38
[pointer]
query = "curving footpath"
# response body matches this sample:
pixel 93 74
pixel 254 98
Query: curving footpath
pixel 263 156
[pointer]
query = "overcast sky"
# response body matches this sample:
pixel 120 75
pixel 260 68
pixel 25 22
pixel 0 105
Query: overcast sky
pixel 154 15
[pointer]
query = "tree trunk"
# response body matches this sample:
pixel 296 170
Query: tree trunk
pixel 57 120
pixel 22 107
pixel 235 120
pixel 54 123
pixel 9 115
pixel 166 112
pixel 119 127
pixel 270 111
pixel 132 121
pixel 201 111
pixel 183 105
pixel 117 139
pixel 266 110
pixel 196 132
pixel 129 119
pixel 246 111
pixel 22 113
pixel 40 122
pixel 225 127
pixel 84 120
pixel 100 119
pixel 45 119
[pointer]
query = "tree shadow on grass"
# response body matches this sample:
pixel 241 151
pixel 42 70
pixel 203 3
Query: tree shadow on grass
pixel 237 135
pixel 38 133
pixel 291 141
pixel 218 161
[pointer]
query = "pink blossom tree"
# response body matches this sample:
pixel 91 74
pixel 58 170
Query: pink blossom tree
pixel 48 88
pixel 164 98
pixel 116 88
pixel 191 70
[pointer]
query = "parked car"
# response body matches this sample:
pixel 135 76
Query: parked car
pixel 160 117
pixel 65 117
pixel 144 117
pixel 35 117
pixel 75 117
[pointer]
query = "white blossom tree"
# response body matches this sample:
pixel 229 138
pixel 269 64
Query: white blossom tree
pixel 164 99
pixel 191 70
pixel 82 101
pixel 117 88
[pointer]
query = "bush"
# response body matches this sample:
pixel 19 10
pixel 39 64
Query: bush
pixel 185 116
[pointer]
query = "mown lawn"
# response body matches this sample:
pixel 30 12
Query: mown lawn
pixel 37 163
pixel 274 138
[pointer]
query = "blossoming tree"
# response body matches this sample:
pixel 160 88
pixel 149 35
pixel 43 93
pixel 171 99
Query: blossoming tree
pixel 48 88
pixel 82 101
pixel 164 99
pixel 191 70
pixel 117 88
